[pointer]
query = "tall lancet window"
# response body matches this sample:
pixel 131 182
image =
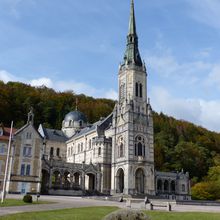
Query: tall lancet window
pixel 140 90
pixel 139 146
pixel 136 89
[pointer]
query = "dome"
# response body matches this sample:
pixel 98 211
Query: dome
pixel 75 116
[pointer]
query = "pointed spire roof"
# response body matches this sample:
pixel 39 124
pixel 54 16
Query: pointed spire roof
pixel 132 55
pixel 132 23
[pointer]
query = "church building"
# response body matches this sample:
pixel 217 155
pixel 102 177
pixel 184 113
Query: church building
pixel 114 156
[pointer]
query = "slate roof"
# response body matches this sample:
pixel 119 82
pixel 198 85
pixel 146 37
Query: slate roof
pixel 54 135
pixel 88 129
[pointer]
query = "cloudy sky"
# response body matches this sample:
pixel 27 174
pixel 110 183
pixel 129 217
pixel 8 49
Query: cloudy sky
pixel 78 44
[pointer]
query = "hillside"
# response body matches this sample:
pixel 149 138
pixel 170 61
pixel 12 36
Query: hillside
pixel 178 144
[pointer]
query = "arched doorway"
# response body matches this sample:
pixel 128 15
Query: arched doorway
pixel 91 183
pixel 173 186
pixel 120 181
pixel 159 185
pixel 45 182
pixel 139 181
pixel 66 180
pixel 166 186
pixel 56 180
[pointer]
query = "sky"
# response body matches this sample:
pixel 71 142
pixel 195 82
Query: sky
pixel 78 45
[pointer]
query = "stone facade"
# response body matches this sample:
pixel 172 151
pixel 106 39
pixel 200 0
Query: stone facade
pixel 26 165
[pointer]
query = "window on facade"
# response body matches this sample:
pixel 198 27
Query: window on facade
pixel 27 151
pixel 28 170
pixel 78 148
pixel 28 135
pixel 139 146
pixel 58 152
pixel 136 89
pixel 68 151
pixel 183 188
pixel 51 151
pixel 80 123
pixel 90 144
pixel 99 151
pixel 140 90
pixel 81 147
pixel 2 149
pixel 22 169
pixel 1 167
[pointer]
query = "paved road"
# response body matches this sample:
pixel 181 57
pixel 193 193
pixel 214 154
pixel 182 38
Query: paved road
pixel 64 202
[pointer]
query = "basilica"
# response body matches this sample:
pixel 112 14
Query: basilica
pixel 113 156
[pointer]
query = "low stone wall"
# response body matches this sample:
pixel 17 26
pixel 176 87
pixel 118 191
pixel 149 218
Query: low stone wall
pixel 61 192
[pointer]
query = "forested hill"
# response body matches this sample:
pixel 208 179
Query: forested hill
pixel 178 144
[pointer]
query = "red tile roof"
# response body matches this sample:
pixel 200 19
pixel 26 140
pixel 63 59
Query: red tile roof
pixel 6 133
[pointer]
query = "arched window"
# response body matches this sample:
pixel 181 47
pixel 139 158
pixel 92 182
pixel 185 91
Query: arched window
pixel 140 149
pixel 140 90
pixel 99 151
pixel 80 123
pixel 70 123
pixel 51 151
pixel 139 146
pixel 136 89
pixel 90 144
pixel 58 152
pixel 183 188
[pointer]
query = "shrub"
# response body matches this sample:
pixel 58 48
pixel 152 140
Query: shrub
pixel 126 214
pixel 27 199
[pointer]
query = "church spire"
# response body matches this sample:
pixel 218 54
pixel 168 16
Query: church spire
pixel 132 55
pixel 132 24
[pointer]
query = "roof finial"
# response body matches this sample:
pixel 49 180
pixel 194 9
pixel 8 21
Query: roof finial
pixel 31 116
pixel 76 103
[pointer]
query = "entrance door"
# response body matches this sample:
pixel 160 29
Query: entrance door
pixel 120 181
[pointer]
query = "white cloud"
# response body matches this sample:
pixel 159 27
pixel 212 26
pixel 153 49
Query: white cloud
pixel 198 111
pixel 111 94
pixel 166 65
pixel 6 76
pixel 206 11
pixel 77 87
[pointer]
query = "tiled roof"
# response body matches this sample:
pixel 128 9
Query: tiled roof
pixel 6 133
pixel 54 135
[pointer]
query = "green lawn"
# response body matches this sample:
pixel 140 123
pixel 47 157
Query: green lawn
pixel 91 213
pixel 97 213
pixel 183 216
pixel 17 202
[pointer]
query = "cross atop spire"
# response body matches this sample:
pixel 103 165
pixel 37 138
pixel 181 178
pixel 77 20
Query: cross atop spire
pixel 132 55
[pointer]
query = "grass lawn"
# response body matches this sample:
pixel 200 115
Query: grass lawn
pixel 17 202
pixel 97 213
pixel 183 216
pixel 91 213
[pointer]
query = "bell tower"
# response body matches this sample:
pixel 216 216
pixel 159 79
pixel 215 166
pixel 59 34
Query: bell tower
pixel 132 144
